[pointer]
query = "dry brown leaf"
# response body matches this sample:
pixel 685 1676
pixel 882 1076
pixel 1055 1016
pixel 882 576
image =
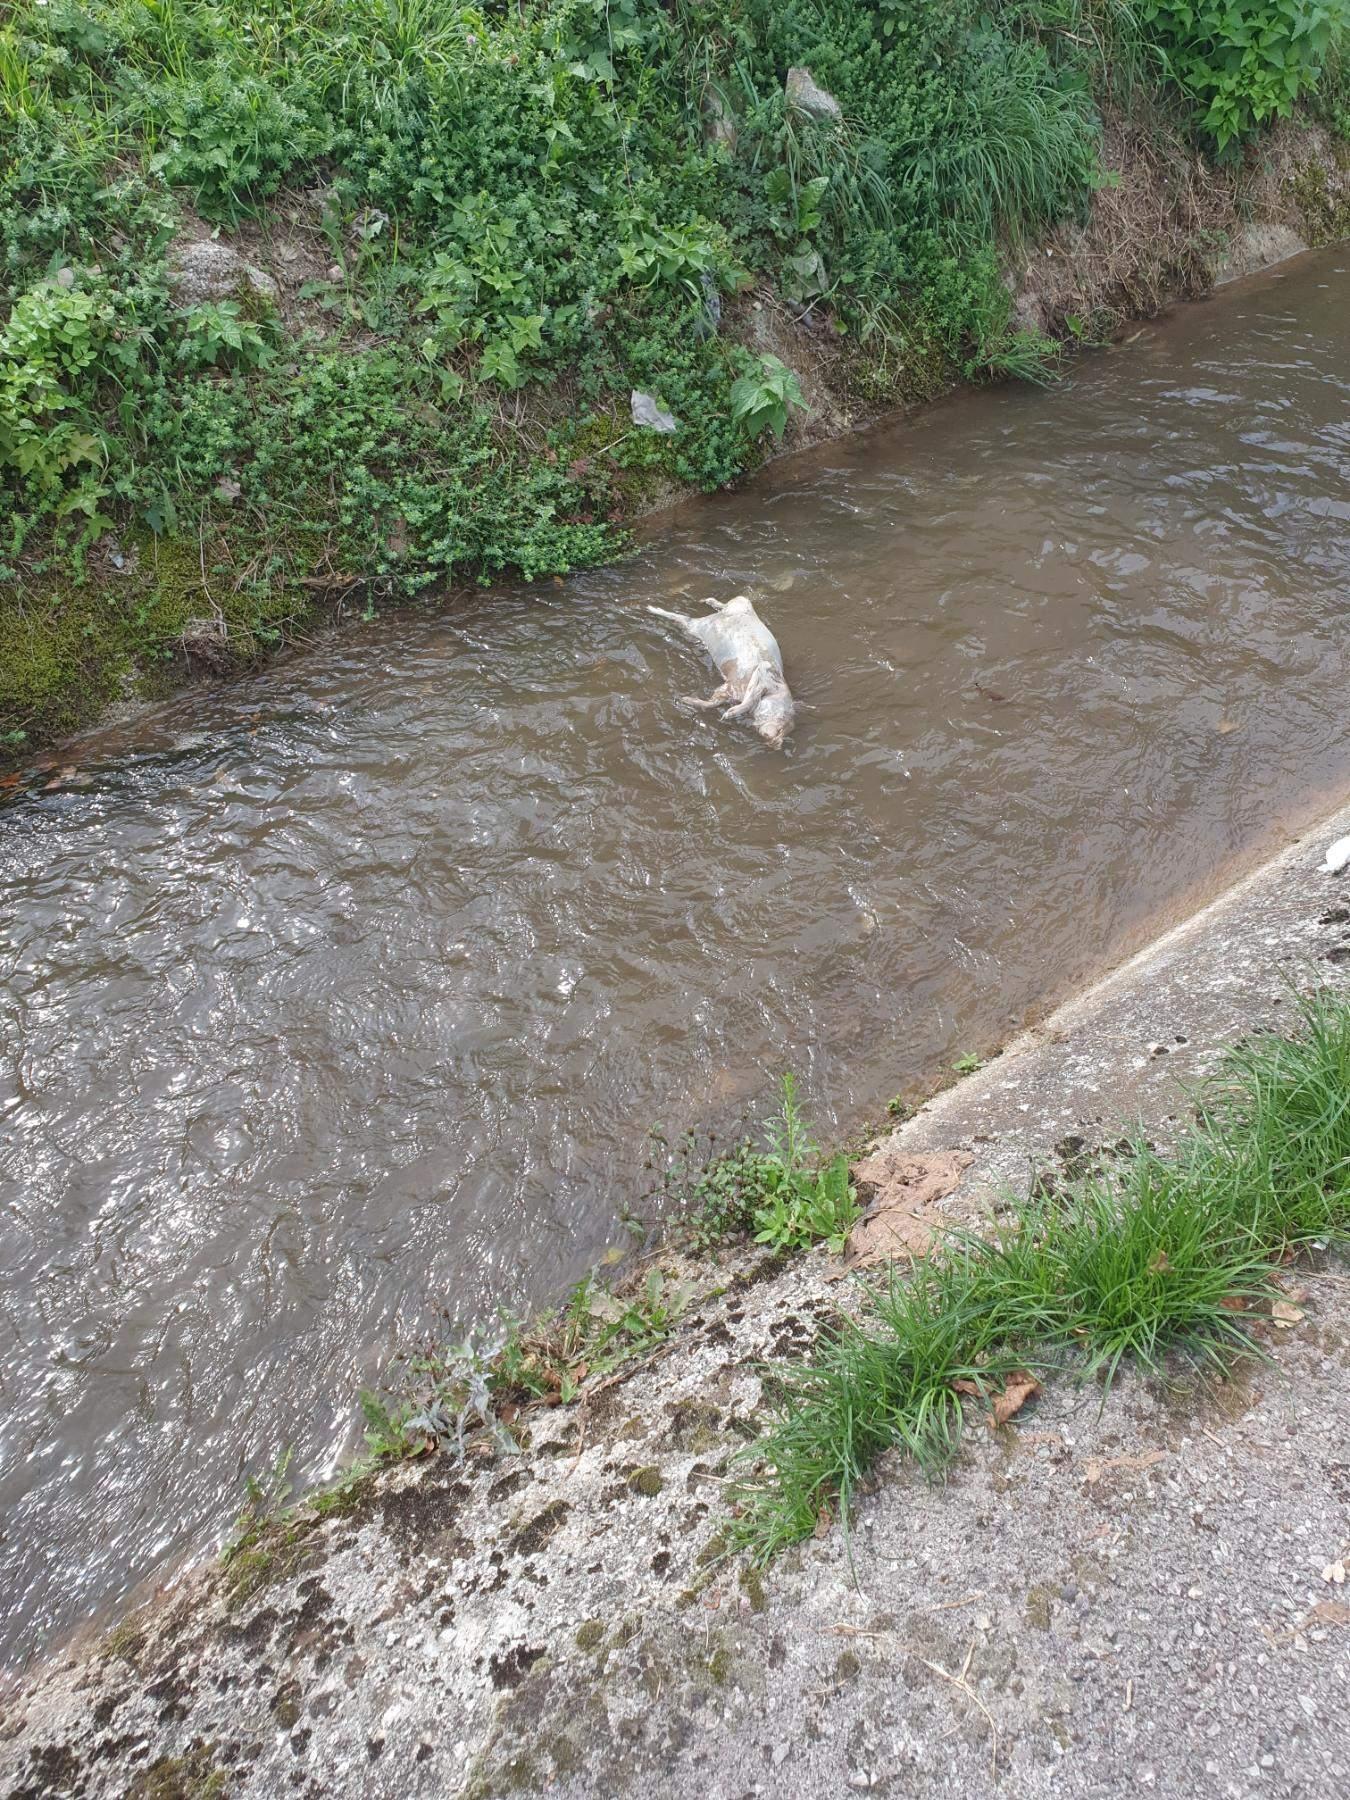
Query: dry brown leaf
pixel 1233 1303
pixel 905 1190
pixel 824 1520
pixel 1098 1465
pixel 1017 1390
pixel 1326 1612
pixel 1286 1315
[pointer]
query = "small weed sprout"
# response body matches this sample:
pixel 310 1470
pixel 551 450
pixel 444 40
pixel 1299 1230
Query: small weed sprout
pixel 455 1392
pixel 783 1196
pixel 216 334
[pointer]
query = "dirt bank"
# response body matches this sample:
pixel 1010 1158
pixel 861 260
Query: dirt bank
pixel 1102 1595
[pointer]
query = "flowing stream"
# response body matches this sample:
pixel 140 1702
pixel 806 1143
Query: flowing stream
pixel 345 997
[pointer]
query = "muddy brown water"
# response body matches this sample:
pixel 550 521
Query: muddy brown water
pixel 345 997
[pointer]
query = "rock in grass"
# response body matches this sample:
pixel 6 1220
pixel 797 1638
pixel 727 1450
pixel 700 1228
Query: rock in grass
pixel 719 122
pixel 206 269
pixel 807 96
pixel 649 413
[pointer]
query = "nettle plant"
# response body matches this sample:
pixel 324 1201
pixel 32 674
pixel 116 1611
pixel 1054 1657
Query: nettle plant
pixel 1244 62
pixel 51 337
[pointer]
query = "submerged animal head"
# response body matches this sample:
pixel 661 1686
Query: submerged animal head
pixel 774 716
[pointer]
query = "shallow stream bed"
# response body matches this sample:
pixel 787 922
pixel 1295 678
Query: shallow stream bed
pixel 346 997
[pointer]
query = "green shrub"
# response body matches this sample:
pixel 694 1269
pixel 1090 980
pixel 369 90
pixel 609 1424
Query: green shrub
pixel 1244 62
pixel 53 335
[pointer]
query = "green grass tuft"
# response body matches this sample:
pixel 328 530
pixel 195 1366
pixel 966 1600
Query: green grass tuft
pixel 1162 1256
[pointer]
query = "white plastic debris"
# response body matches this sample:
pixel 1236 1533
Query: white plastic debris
pixel 649 412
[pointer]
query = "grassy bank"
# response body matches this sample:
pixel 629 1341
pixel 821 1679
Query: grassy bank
pixel 350 299
pixel 1156 1261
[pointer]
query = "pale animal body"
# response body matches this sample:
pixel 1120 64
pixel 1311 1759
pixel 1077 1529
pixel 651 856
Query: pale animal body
pixel 750 663
pixel 1337 857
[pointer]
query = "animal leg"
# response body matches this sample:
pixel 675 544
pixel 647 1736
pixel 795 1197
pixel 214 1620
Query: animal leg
pixel 720 698
pixel 664 612
pixel 753 695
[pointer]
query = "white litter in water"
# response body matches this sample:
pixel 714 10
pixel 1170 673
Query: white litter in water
pixel 1337 857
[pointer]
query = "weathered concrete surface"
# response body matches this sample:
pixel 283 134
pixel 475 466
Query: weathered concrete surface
pixel 1256 247
pixel 1102 1598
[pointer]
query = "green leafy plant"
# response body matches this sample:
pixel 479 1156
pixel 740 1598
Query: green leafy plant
pixel 809 1209
pixel 1244 62
pixel 53 336
pixel 216 332
pixel 760 402
pixel 785 1195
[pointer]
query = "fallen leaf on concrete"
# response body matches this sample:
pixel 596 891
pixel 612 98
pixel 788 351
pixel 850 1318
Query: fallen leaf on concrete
pixel 1286 1315
pixel 905 1189
pixel 1326 1612
pixel 1291 1290
pixel 1097 1466
pixel 1017 1390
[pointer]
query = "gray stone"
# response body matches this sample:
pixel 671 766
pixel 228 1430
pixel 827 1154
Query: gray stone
pixel 207 269
pixel 719 122
pixel 648 413
pixel 712 300
pixel 807 96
